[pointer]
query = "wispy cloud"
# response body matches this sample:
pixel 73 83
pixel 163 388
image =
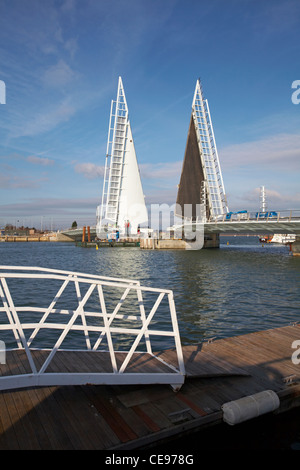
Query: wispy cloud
pixel 89 170
pixel 274 197
pixel 40 160
pixel 43 206
pixel 45 121
pixel 59 74
pixel 9 181
pixel 161 196
pixel 281 151
pixel 16 171
pixel 166 170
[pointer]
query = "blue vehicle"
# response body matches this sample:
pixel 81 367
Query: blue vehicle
pixel 265 215
pixel 229 214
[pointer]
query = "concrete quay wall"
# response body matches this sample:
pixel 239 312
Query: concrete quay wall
pixel 212 241
pixel 295 246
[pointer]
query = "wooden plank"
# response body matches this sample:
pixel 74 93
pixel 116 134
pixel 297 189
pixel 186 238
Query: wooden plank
pixel 200 361
pixel 17 423
pixel 78 414
pixel 130 396
pixel 92 361
pixel 154 414
pixel 8 438
pixel 175 406
pixel 151 425
pixel 53 418
pixel 62 414
pixel 188 401
pixel 269 354
pixel 252 359
pixel 106 417
pixel 134 420
pixel 120 428
pixel 29 420
pixel 30 409
pixel 48 421
pixel 83 418
pixel 21 408
pixel 111 394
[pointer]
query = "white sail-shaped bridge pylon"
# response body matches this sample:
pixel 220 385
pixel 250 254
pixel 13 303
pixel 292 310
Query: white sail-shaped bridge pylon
pixel 208 154
pixel 201 181
pixel 123 203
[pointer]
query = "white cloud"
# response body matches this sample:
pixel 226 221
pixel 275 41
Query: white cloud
pixel 161 196
pixel 281 151
pixel 40 160
pixel 89 170
pixel 62 211
pixel 59 74
pixel 17 182
pixel 168 170
pixel 71 46
pixel 273 197
pixel 45 120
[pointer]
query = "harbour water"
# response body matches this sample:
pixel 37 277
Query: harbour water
pixel 240 288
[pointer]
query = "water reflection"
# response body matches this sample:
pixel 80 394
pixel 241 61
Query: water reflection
pixel 239 288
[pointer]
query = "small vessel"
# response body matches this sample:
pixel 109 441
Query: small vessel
pixel 265 238
pixel 283 239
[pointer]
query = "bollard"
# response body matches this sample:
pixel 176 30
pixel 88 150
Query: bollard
pixel 249 407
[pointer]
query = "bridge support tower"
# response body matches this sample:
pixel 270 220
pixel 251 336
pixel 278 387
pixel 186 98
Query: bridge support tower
pixel 201 188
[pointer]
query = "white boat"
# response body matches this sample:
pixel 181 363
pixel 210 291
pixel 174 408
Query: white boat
pixel 283 239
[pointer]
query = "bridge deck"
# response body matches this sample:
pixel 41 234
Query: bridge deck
pixel 254 226
pixel 124 417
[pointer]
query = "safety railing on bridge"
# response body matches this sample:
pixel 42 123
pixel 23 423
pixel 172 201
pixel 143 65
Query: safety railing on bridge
pixel 266 216
pixel 62 328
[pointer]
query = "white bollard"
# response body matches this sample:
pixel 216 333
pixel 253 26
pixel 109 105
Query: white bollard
pixel 252 406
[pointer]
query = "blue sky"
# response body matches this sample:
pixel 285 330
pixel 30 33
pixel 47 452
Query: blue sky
pixel 60 61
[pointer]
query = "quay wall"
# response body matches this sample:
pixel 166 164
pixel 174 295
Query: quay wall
pixel 57 237
pixel 211 241
pixel 295 246
pixel 162 244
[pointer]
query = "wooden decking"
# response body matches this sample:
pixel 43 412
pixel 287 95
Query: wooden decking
pixel 130 417
pixel 81 362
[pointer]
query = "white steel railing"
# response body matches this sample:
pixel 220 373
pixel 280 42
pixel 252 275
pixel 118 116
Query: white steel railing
pixel 45 313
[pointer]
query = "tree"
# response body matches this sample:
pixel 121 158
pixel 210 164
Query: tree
pixel 74 224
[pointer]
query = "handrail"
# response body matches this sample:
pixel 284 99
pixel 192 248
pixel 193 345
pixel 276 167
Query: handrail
pixel 97 316
pixel 258 216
